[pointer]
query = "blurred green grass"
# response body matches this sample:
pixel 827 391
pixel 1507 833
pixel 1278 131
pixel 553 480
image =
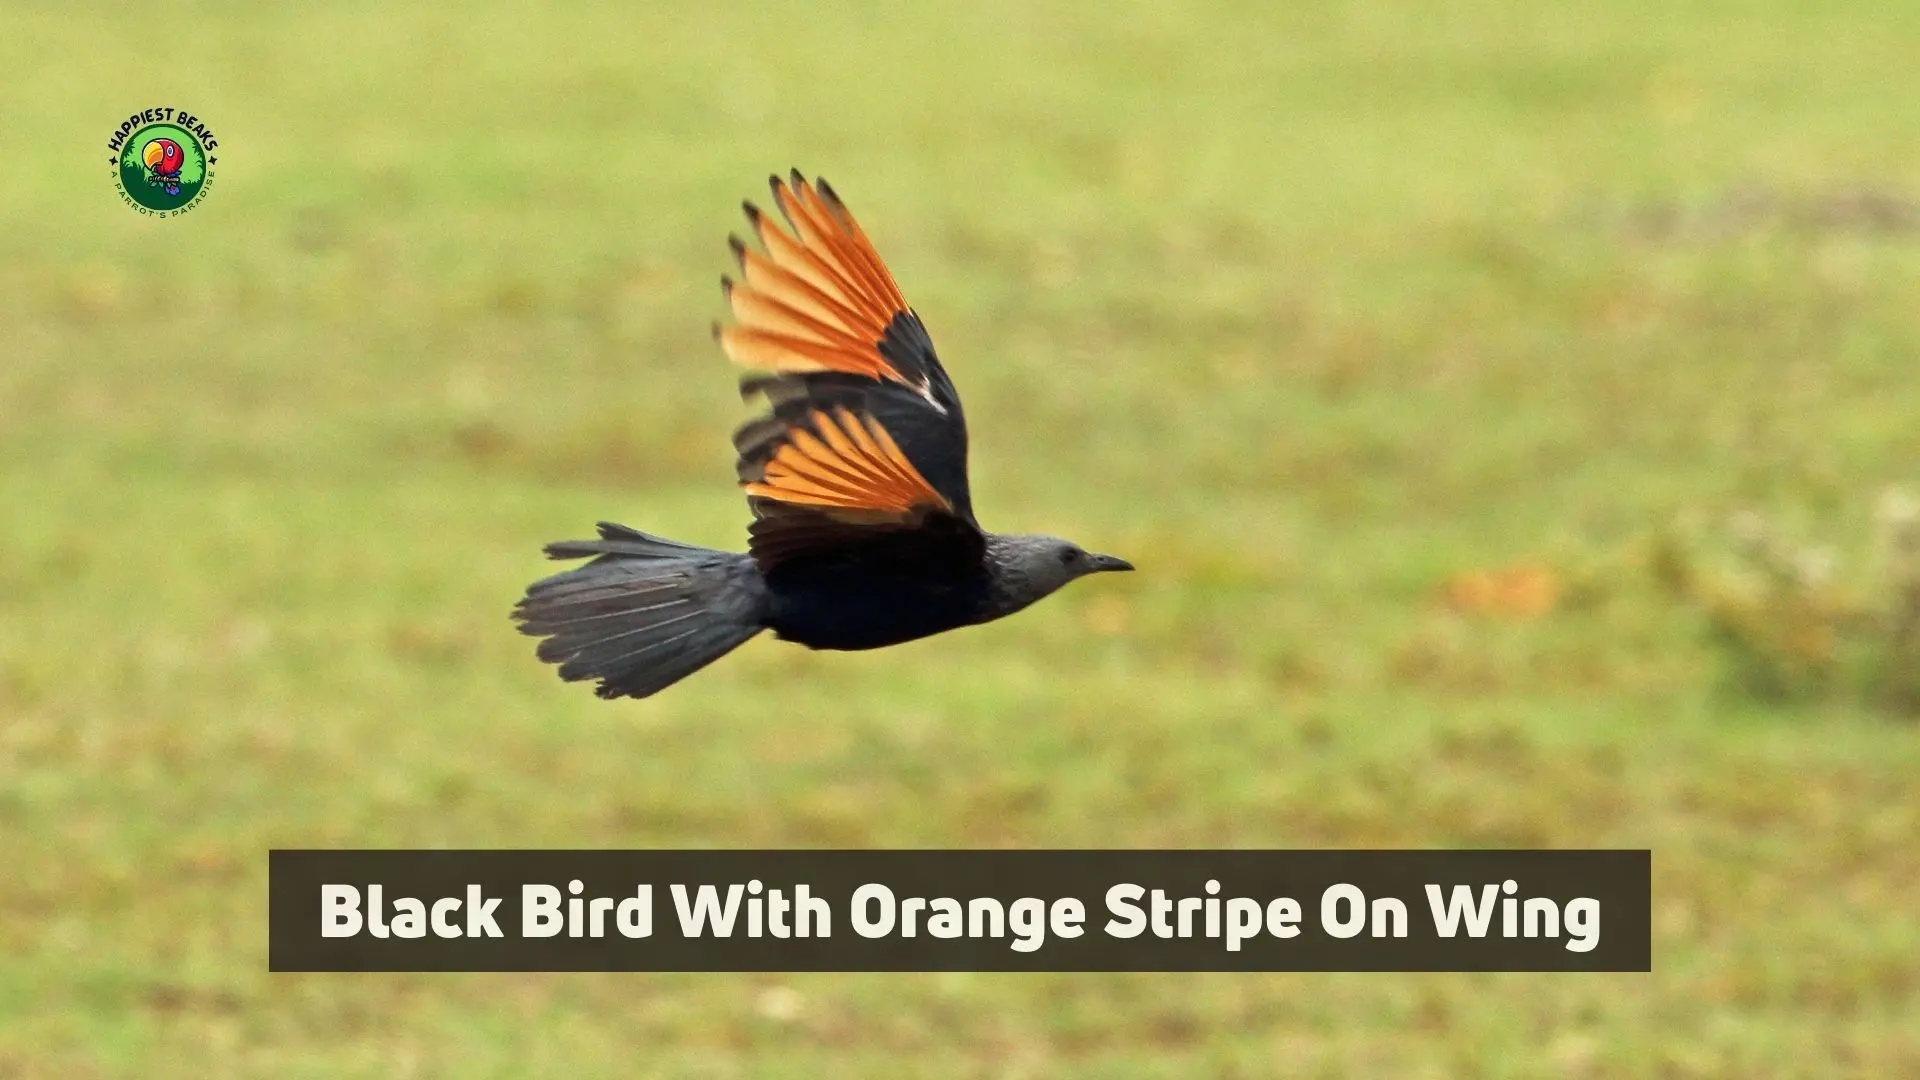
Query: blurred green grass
pixel 1305 310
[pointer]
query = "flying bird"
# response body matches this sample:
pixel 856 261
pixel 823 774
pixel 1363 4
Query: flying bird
pixel 863 533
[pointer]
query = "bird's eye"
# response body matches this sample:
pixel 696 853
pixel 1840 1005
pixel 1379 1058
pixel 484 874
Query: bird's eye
pixel 1067 555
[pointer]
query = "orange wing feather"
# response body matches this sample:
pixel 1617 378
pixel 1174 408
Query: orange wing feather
pixel 818 300
pixel 847 466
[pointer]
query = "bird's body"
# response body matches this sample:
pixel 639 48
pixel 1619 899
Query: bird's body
pixel 864 534
pixel 850 608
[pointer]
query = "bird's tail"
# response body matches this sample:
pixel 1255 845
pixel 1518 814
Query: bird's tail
pixel 645 613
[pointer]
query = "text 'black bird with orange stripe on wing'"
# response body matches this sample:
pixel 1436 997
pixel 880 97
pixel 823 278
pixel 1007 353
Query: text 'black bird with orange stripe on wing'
pixel 863 531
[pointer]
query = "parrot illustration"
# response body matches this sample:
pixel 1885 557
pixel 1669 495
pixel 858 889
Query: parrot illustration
pixel 163 157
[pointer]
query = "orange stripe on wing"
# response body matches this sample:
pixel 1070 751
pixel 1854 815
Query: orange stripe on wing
pixel 819 299
pixel 785 353
pixel 818 229
pixel 763 275
pixel 837 211
pixel 815 261
pixel 846 465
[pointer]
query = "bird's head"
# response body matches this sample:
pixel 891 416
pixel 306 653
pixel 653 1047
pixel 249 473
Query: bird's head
pixel 1031 565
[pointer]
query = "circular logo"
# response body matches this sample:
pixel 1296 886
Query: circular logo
pixel 163 160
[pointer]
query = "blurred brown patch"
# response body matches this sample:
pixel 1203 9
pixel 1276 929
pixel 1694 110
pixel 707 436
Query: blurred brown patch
pixel 205 860
pixel 1518 592
pixel 1754 209
pixel 170 998
pixel 482 440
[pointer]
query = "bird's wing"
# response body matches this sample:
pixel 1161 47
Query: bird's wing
pixel 828 481
pixel 866 444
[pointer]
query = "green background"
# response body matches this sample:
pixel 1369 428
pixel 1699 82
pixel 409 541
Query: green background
pixel 136 178
pixel 1306 309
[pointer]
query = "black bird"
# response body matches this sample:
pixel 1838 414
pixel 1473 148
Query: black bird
pixel 863 531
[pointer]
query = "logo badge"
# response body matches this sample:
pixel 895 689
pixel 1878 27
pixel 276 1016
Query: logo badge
pixel 163 160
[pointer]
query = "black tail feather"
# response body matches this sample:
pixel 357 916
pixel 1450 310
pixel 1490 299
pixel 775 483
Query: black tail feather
pixel 644 614
pixel 620 540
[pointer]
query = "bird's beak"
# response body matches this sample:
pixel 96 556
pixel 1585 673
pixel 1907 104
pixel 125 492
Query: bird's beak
pixel 1110 562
